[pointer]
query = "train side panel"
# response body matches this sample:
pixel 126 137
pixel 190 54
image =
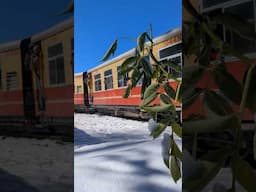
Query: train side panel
pixel 11 96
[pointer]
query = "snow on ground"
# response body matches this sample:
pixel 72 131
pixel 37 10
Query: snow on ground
pixel 114 154
pixel 34 165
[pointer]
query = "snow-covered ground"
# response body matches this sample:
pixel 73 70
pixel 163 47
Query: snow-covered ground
pixel 118 155
pixel 34 165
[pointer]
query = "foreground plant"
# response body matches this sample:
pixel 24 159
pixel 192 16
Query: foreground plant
pixel 220 127
pixel 143 65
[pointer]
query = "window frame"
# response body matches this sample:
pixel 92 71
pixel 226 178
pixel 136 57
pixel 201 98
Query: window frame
pixel 172 56
pixel 108 76
pixel 16 81
pixel 124 77
pixel 79 89
pixel 224 6
pixel 54 58
pixel 98 79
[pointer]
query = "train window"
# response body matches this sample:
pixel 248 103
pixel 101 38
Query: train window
pixel 121 79
pixel 97 82
pixel 11 80
pixel 56 64
pixel 108 79
pixel 169 51
pixel 177 60
pixel 79 89
pixel 242 9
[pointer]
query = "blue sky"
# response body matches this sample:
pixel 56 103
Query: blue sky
pixel 22 18
pixel 98 23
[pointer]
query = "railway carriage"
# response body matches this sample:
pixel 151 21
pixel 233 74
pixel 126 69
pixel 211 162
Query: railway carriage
pixel 103 86
pixel 244 9
pixel 36 79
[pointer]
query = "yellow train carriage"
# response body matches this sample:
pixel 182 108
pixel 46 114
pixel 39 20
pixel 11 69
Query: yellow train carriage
pixel 108 86
pixel 36 76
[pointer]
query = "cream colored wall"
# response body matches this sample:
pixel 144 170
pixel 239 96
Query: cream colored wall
pixel 78 81
pixel 64 37
pixel 114 65
pixel 10 61
pixel 101 70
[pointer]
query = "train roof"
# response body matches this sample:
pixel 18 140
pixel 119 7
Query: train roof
pixel 156 40
pixel 78 74
pixel 39 36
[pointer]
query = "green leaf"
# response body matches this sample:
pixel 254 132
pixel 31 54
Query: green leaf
pixel 217 103
pixel 136 76
pixel 127 91
pixel 165 99
pixel 149 99
pixel 146 82
pixel 227 83
pixel 146 66
pixel 161 126
pixel 209 125
pixel 127 65
pixel 245 174
pixel 110 51
pixel 169 90
pixel 188 98
pixel 174 169
pixel 177 129
pixel 151 89
pixel 141 41
pixel 175 151
pixel 160 108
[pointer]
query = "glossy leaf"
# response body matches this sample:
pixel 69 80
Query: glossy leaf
pixel 160 108
pixel 228 85
pixel 217 103
pixel 127 65
pixel 165 99
pixel 210 125
pixel 110 51
pixel 169 90
pixel 175 151
pixel 174 168
pixel 149 99
pixel 160 128
pixel 127 91
pixel 151 89
pixel 141 41
pixel 189 97
pixel 177 129
pixel 146 66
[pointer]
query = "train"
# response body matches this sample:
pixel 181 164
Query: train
pixel 36 81
pixel 238 69
pixel 101 88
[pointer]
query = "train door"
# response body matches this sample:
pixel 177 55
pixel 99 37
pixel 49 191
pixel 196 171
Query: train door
pixel 86 95
pixel 27 84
